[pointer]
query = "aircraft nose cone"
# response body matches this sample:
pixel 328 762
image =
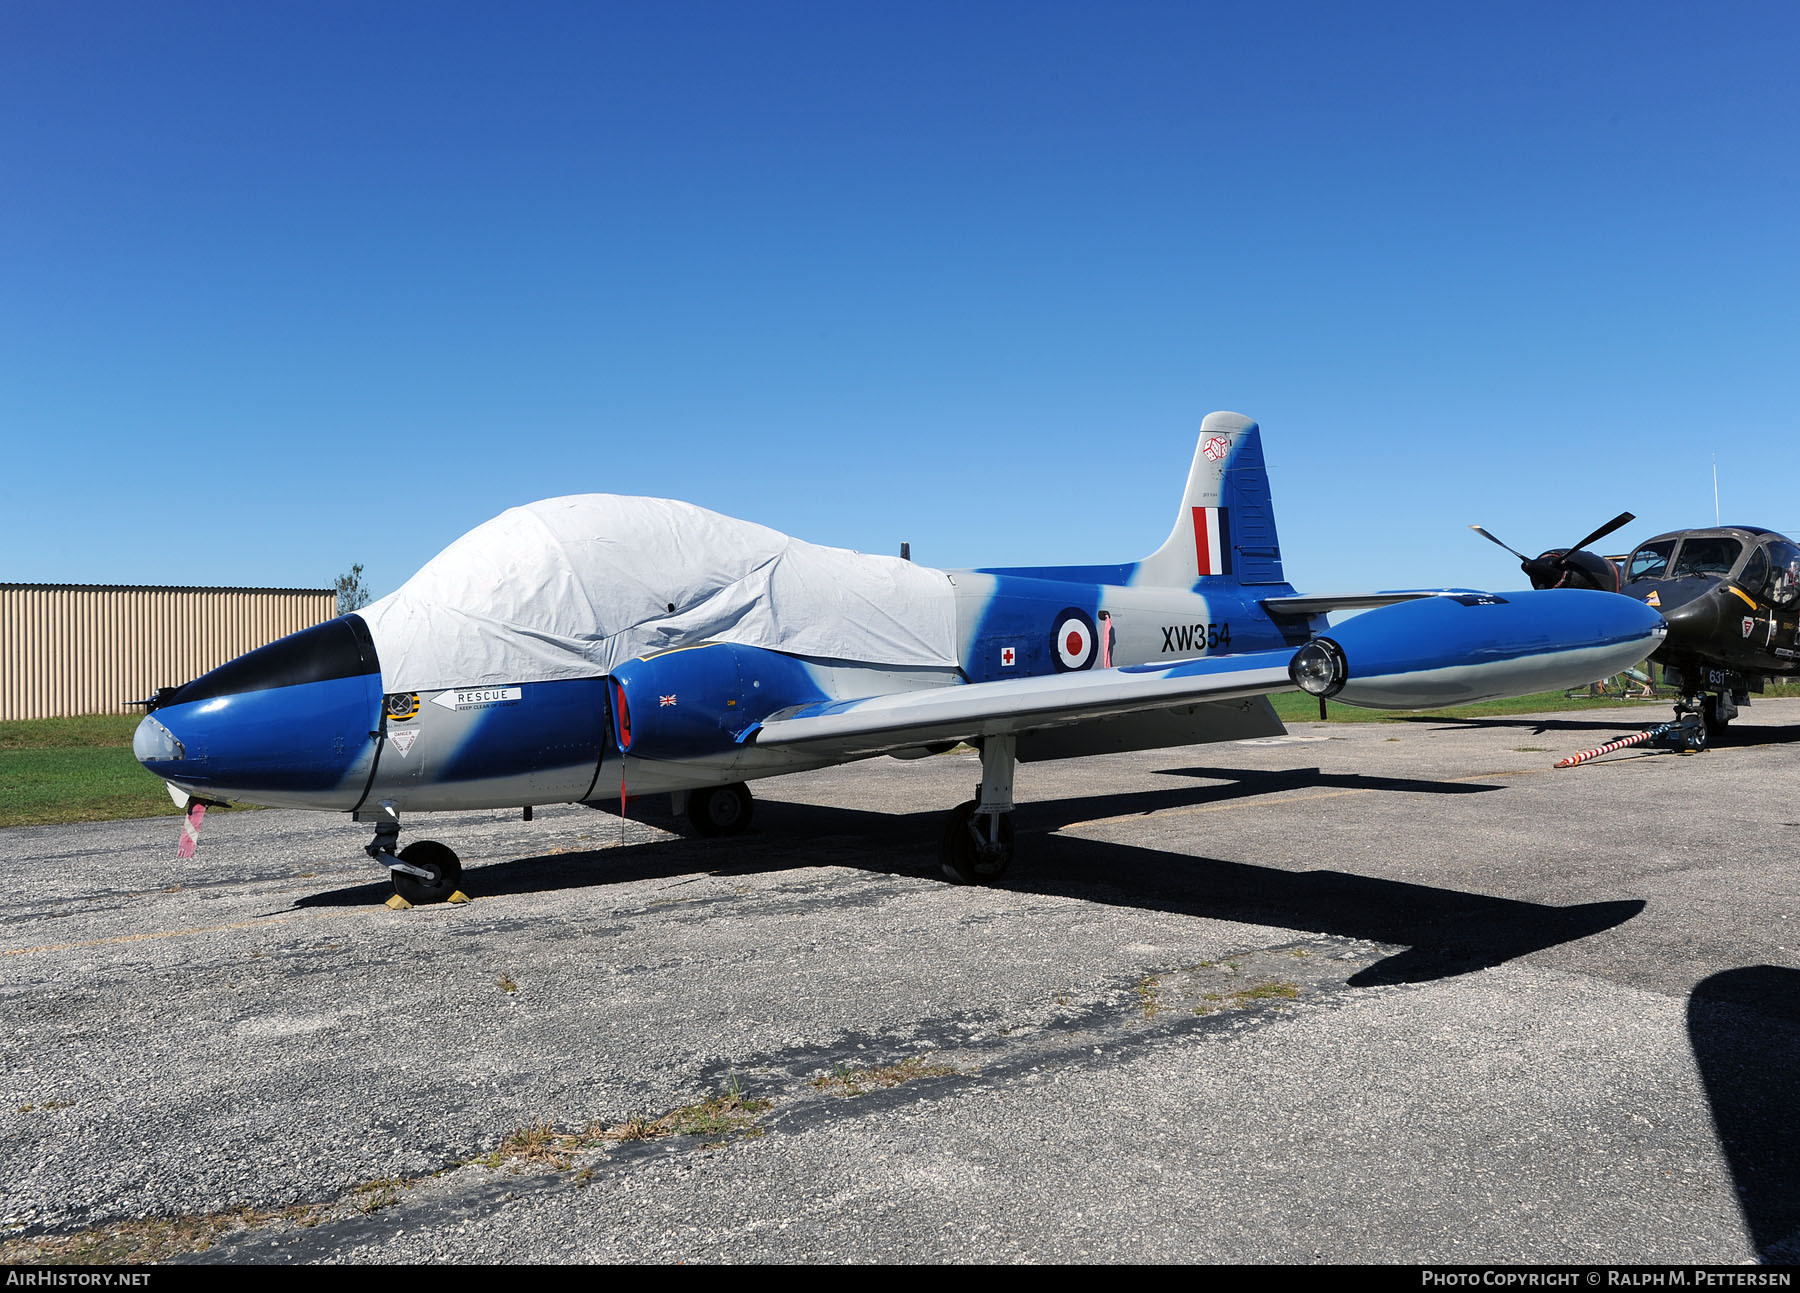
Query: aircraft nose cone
pixel 288 724
pixel 1692 619
pixel 155 746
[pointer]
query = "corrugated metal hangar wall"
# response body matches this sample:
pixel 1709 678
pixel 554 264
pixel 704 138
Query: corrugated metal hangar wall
pixel 92 649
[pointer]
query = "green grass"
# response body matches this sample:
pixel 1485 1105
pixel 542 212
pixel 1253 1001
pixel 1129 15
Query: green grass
pixel 90 730
pixel 847 1081
pixel 1297 707
pixel 55 770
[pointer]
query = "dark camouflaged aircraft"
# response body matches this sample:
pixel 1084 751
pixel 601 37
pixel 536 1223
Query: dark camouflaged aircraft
pixel 1730 596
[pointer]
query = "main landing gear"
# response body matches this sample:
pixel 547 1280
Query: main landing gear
pixel 720 810
pixel 1718 709
pixel 424 871
pixel 977 844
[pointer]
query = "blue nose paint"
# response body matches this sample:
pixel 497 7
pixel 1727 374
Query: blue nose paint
pixel 292 722
pixel 265 746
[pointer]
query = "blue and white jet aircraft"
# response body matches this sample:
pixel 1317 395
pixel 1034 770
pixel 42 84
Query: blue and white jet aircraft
pixel 594 646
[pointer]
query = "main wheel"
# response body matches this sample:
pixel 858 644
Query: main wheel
pixel 443 864
pixel 966 859
pixel 720 810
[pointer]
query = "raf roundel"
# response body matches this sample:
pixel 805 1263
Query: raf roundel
pixel 1074 642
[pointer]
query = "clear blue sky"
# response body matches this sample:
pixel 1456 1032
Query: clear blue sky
pixel 286 286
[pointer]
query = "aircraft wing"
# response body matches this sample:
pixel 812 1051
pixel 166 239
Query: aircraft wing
pixel 1434 650
pixel 878 724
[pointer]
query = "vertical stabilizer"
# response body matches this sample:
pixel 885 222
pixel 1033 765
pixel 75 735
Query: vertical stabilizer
pixel 1225 530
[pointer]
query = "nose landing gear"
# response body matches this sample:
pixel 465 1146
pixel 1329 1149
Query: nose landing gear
pixel 424 871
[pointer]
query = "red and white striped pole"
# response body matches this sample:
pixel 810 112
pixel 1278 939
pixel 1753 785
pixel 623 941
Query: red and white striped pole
pixel 1648 734
pixel 190 829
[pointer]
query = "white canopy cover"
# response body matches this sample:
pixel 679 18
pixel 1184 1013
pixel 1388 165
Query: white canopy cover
pixel 571 587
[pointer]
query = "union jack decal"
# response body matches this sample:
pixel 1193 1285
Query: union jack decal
pixel 666 701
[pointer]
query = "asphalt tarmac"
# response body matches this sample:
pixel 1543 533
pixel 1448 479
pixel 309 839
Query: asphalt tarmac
pixel 1366 993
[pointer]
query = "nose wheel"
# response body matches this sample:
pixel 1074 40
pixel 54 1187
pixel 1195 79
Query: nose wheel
pixel 1704 716
pixel 442 873
pixel 1693 727
pixel 424 871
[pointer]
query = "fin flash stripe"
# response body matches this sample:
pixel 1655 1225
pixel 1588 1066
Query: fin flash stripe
pixel 1212 541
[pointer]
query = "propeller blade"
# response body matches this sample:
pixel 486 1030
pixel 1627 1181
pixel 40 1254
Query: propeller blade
pixel 1623 518
pixel 1491 539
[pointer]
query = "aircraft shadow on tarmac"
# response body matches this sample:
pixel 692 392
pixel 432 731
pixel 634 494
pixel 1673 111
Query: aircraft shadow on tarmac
pixel 1613 728
pixel 1445 932
pixel 1246 782
pixel 1744 1026
pixel 1541 726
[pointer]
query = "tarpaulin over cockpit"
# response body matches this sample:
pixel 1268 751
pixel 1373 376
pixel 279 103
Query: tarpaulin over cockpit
pixel 570 587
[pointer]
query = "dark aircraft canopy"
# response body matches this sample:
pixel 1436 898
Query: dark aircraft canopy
pixel 1762 561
